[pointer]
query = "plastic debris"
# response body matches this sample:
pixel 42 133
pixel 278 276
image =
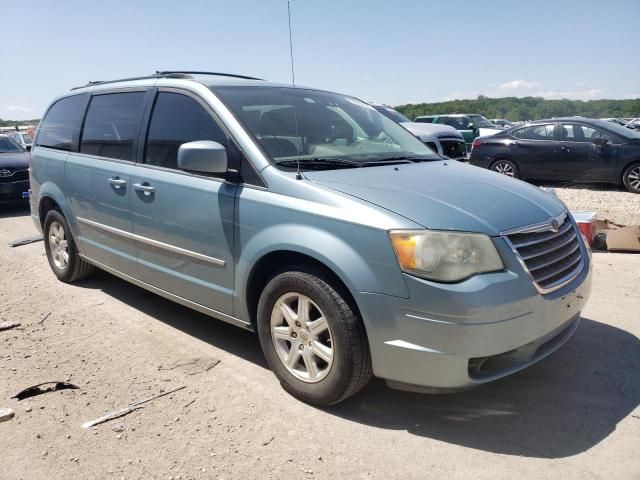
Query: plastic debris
pixel 6 414
pixel 25 241
pixel 36 390
pixel 128 409
pixel 8 325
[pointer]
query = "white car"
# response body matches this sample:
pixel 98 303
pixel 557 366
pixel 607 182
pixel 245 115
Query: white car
pixel 442 139
pixel 22 138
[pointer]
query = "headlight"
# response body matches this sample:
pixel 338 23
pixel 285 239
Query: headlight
pixel 445 256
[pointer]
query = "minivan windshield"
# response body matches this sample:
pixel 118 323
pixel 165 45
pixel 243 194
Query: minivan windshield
pixel 320 130
pixel 9 146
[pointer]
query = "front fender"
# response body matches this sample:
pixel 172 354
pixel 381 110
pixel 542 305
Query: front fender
pixel 363 259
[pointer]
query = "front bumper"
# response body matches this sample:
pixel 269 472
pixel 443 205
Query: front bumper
pixel 13 190
pixel 454 336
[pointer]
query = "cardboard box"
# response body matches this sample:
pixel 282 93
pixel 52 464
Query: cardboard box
pixel 626 239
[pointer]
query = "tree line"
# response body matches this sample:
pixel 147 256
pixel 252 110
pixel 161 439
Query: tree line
pixel 527 108
pixel 15 123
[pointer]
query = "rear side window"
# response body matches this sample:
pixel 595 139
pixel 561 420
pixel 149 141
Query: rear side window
pixel 582 133
pixel 536 132
pixel 60 128
pixel 178 119
pixel 112 125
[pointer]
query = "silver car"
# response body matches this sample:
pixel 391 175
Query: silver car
pixel 307 216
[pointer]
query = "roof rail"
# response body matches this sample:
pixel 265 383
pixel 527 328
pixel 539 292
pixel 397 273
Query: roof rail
pixel 166 74
pixel 219 74
pixel 144 77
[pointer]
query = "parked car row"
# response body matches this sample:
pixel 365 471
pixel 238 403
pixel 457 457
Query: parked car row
pixel 442 139
pixel 573 149
pixel 14 169
pixel 310 217
pixel 632 123
pixel 470 126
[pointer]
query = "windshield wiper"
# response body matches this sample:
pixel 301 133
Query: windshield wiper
pixel 319 163
pixel 404 159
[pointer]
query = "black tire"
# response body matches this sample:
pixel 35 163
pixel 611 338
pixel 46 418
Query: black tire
pixel 350 370
pixel 76 268
pixel 631 178
pixel 502 165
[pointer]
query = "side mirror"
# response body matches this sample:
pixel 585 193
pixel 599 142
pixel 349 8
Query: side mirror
pixel 28 148
pixel 203 156
pixel 472 127
pixel 600 142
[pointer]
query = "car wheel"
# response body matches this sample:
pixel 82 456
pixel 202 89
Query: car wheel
pixel 312 339
pixel 631 178
pixel 61 249
pixel 505 167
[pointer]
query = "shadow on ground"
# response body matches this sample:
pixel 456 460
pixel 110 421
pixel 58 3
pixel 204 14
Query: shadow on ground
pixel 560 407
pixel 215 332
pixel 14 209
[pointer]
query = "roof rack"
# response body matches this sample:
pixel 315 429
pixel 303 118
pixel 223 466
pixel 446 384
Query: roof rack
pixel 166 74
pixel 218 74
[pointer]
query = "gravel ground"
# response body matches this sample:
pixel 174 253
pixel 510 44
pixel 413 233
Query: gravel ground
pixel 609 202
pixel 573 415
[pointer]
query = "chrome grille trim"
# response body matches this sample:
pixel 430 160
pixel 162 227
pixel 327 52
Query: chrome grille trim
pixel 549 252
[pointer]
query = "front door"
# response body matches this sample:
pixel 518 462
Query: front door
pixel 580 159
pixel 183 222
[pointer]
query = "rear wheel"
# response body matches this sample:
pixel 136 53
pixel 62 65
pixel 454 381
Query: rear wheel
pixel 506 167
pixel 312 339
pixel 61 249
pixel 631 178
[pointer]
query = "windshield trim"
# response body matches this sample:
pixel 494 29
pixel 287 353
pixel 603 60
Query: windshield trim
pixel 19 148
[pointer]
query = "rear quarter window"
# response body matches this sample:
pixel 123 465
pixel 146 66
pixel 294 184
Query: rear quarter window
pixel 60 128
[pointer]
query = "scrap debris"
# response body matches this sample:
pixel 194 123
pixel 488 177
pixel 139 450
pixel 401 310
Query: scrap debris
pixel 25 241
pixel 36 390
pixel 44 318
pixel 132 407
pixel 6 414
pixel 8 325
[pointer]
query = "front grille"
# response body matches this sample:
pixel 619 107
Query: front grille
pixel 453 148
pixel 15 176
pixel 552 258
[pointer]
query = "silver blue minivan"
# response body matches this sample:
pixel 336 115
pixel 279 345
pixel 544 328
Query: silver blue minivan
pixel 351 248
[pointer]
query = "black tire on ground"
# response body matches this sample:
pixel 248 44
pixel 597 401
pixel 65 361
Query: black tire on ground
pixel 351 368
pixel 631 178
pixel 504 166
pixel 76 268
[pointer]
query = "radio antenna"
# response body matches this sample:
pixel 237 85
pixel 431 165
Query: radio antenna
pixel 293 83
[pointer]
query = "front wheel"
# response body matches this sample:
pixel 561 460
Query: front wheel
pixel 312 339
pixel 631 178
pixel 506 167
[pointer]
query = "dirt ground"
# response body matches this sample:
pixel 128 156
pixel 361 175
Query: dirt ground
pixel 610 202
pixel 574 415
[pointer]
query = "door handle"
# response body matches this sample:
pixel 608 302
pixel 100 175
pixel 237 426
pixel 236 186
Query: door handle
pixel 144 188
pixel 566 149
pixel 117 182
pixel 514 144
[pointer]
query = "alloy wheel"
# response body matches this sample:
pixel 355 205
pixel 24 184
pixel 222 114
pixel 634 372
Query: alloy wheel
pixel 302 337
pixel 634 177
pixel 58 245
pixel 504 168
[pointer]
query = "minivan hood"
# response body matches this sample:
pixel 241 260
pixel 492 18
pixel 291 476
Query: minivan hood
pixel 18 161
pixel 446 195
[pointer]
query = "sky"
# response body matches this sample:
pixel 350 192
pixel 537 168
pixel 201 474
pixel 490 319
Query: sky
pixel 393 51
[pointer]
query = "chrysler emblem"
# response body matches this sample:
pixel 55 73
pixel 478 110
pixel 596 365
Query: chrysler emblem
pixel 5 173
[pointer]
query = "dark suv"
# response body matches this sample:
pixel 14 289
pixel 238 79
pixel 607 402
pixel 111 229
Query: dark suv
pixel 565 149
pixel 14 170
